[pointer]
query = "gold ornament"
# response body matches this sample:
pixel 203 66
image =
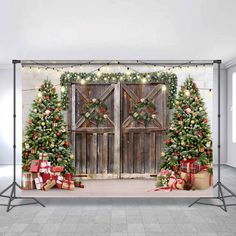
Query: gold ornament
pixel 72 157
pixel 43 123
pixel 180 122
pixel 162 154
pixel 201 149
pixel 182 143
pixel 192 122
pixel 33 151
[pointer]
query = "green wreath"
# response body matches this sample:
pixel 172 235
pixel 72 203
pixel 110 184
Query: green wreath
pixel 95 112
pixel 144 111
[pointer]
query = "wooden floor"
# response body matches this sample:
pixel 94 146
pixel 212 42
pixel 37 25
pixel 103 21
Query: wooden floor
pixel 127 188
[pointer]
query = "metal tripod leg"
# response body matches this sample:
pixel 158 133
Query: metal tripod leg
pixel 6 189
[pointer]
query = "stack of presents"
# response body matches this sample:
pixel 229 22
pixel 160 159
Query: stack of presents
pixel 43 176
pixel 192 175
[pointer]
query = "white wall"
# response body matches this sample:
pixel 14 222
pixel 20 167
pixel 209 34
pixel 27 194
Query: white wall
pixel 230 145
pixel 6 115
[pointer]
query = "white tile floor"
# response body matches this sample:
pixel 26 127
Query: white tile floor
pixel 115 217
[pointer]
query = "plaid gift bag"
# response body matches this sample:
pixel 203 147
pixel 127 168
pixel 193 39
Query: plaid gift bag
pixel 190 166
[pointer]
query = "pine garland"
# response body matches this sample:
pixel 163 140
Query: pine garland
pixel 169 78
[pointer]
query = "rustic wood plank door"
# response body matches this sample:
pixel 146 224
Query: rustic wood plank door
pixel 141 144
pixel 119 147
pixel 96 148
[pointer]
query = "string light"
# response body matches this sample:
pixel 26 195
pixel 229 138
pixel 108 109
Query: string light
pixel 144 80
pixel 82 81
pixel 39 94
pixel 128 71
pixel 210 92
pixel 63 89
pixel 187 93
pixel 98 73
pixel 163 88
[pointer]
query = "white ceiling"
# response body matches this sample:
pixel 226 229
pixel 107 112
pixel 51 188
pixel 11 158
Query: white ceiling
pixel 117 29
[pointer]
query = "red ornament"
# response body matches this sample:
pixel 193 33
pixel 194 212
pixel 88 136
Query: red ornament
pixel 58 133
pixel 209 152
pixel 66 144
pixel 150 110
pixel 26 154
pixel 188 110
pixel 25 167
pixel 48 112
pixel 168 141
pixel 199 133
pixel 177 131
pixel 57 118
pixel 47 97
pixel 178 116
pixel 102 109
pixel 36 135
pixel 175 169
pixel 42 148
pixel 30 122
pixel 205 121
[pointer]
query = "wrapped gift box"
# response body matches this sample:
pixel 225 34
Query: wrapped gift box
pixel 49 184
pixel 68 185
pixel 43 156
pixel 57 168
pixel 59 182
pixel 27 181
pixel 45 167
pixel 46 176
pixel 38 182
pixel 202 180
pixel 35 165
pixel 68 176
pixel 176 183
pixel 190 166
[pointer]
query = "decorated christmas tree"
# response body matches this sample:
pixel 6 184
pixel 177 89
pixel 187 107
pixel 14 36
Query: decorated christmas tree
pixel 189 135
pixel 46 131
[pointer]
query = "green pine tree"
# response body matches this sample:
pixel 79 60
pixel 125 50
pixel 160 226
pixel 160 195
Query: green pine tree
pixel 46 131
pixel 189 134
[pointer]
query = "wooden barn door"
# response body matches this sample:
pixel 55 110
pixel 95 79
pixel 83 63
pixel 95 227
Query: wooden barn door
pixel 119 147
pixel 141 145
pixel 96 148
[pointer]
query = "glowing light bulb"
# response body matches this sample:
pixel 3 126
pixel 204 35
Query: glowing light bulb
pixel 187 93
pixel 210 93
pixel 82 81
pixel 163 88
pixel 63 89
pixel 98 73
pixel 39 94
pixel 144 80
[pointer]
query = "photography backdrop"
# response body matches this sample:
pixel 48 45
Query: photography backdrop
pixel 33 77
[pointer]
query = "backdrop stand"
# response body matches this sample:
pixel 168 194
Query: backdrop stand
pixel 218 185
pixel 14 185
